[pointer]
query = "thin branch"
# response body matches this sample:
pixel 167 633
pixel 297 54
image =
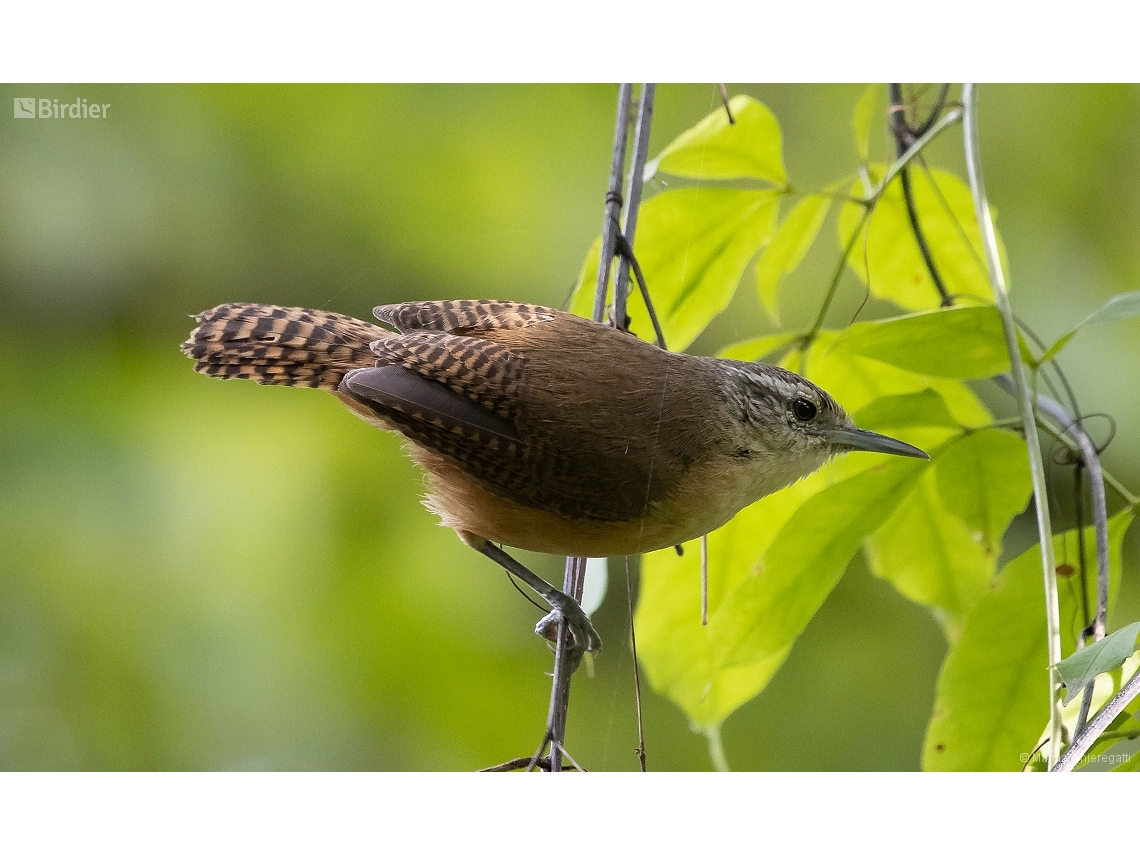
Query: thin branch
pixel 1100 520
pixel 636 674
pixel 625 252
pixel 724 100
pixel 834 284
pixel 1085 739
pixel 869 203
pixel 1111 480
pixel 562 749
pixel 613 199
pixel 904 136
pixel 629 232
pixel 922 142
pixel 716 750
pixel 575 576
pixel 935 111
pixel 1025 403
pixel 542 763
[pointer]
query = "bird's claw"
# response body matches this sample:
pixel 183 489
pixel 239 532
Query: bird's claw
pixel 583 637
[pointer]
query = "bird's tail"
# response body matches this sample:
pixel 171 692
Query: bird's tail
pixel 280 345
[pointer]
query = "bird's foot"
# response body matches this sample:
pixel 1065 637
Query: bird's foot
pixel 583 637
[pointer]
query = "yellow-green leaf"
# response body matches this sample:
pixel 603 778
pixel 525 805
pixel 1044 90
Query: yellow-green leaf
pixel 893 265
pixel 993 693
pixel 917 409
pixel 984 481
pixel 693 245
pixel 709 671
pixel 768 611
pixel 940 547
pixel 752 147
pixel 928 554
pixel 792 240
pixel 856 381
pixel 965 343
pixel 678 653
pixel 753 349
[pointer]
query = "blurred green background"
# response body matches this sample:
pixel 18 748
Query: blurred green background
pixel 207 575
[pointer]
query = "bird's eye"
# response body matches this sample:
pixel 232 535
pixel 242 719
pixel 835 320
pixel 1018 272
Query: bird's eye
pixel 803 409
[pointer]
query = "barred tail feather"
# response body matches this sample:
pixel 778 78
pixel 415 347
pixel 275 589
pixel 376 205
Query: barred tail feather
pixel 280 345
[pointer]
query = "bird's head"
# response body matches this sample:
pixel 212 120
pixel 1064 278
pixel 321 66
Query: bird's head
pixel 792 426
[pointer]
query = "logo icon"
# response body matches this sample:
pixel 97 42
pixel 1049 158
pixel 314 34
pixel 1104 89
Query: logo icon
pixel 24 108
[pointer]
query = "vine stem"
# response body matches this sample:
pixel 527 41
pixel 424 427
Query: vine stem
pixel 1098 725
pixel 1026 406
pixel 575 575
pixel 636 180
pixel 1100 525
pixel 716 750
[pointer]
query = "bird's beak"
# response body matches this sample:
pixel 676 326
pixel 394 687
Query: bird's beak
pixel 856 439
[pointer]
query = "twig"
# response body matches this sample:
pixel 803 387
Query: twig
pixel 922 142
pixel 636 674
pixel 1100 521
pixel 1025 404
pixel 935 111
pixel 625 252
pixel 1085 739
pixel 542 763
pixel 636 179
pixel 716 750
pixel 840 267
pixel 575 575
pixel 904 137
pixel 869 203
pixel 724 100
pixel 1111 480
pixel 562 748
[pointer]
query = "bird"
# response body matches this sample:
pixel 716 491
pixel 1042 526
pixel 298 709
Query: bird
pixel 544 431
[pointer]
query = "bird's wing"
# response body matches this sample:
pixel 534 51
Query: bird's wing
pixel 460 316
pixel 478 397
pixel 455 395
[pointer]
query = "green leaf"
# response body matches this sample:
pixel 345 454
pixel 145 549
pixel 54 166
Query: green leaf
pixel 993 693
pixel 965 343
pixel 793 239
pixel 1057 346
pixel 984 481
pixel 693 245
pixel 930 557
pixel 770 608
pixel 893 265
pixel 1118 308
pixel 940 547
pixel 676 651
pixel 856 381
pixel 1105 655
pixel 917 409
pixel 1132 764
pixel 753 349
pixel 762 589
pixel 865 112
pixel 750 148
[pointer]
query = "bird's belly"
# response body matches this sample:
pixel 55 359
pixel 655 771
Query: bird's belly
pixel 463 504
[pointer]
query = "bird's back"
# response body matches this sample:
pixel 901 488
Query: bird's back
pixel 545 410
